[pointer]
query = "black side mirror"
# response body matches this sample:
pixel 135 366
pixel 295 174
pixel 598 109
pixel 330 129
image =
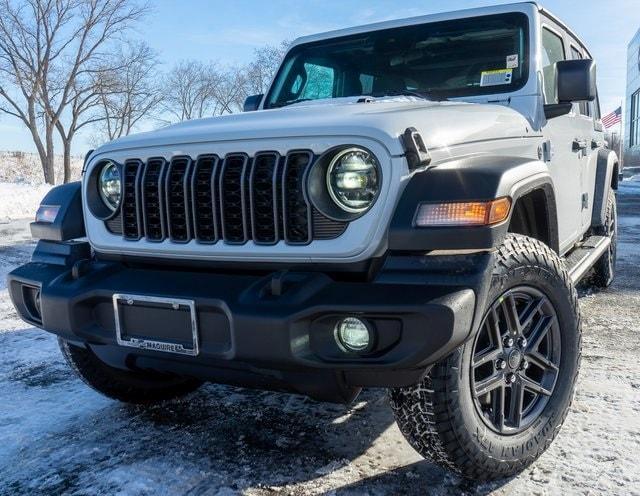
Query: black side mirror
pixel 252 103
pixel 575 82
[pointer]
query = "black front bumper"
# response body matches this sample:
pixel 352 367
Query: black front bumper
pixel 273 331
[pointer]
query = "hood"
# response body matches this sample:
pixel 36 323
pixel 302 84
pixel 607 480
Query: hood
pixel 441 124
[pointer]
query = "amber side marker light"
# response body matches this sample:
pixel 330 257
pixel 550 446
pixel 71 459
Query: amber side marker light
pixel 463 213
pixel 47 213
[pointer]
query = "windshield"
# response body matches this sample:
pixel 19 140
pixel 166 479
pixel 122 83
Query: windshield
pixel 463 57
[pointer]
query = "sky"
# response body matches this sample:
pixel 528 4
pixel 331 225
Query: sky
pixel 228 31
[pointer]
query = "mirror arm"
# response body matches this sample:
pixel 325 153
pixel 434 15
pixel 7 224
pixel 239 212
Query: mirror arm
pixel 553 110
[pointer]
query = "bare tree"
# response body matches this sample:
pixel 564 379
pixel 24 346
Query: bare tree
pixel 229 91
pixel 262 69
pixel 188 90
pixel 49 52
pixel 195 90
pixel 129 95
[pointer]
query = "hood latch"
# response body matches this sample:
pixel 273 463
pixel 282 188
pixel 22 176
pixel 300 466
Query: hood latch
pixel 415 149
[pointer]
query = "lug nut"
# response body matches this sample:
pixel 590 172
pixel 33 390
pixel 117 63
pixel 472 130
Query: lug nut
pixel 525 365
pixel 511 378
pixel 522 342
pixel 501 364
pixel 508 342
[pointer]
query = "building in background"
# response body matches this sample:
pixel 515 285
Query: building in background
pixel 631 119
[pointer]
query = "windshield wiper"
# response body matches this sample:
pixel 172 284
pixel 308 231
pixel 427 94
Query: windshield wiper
pixel 290 102
pixel 425 95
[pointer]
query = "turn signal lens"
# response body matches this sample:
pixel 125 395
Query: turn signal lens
pixel 463 213
pixel 47 213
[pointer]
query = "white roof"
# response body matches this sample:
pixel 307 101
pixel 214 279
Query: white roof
pixel 525 7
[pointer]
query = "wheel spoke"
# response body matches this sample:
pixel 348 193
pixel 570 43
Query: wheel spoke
pixel 497 406
pixel 534 387
pixel 531 310
pixel 494 328
pixel 489 384
pixel 538 333
pixel 541 361
pixel 486 357
pixel 511 314
pixel 515 405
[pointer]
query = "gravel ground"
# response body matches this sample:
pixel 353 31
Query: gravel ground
pixel 59 437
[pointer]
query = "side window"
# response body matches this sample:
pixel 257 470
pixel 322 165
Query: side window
pixel 552 52
pixel 585 107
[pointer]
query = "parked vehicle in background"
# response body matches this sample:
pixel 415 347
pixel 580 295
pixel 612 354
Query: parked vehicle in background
pixel 410 206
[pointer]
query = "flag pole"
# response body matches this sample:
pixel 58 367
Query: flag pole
pixel 622 133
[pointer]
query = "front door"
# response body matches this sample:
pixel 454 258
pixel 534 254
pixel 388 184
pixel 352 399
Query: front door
pixel 567 152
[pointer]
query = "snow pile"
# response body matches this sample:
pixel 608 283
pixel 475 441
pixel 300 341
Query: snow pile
pixel 22 167
pixel 22 183
pixel 20 200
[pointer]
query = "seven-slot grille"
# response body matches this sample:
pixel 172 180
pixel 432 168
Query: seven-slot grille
pixel 233 199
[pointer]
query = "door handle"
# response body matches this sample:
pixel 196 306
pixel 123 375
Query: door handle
pixel 596 144
pixel 579 144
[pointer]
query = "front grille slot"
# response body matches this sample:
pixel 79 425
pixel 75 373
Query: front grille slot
pixel 177 197
pixel 232 199
pixel 204 191
pixel 264 200
pixel 152 202
pixel 296 209
pixel 130 210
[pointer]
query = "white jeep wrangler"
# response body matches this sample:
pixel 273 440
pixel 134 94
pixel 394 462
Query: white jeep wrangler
pixel 410 206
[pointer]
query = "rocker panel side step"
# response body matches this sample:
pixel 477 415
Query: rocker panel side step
pixel 582 258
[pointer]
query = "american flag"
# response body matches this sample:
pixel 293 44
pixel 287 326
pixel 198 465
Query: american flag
pixel 613 118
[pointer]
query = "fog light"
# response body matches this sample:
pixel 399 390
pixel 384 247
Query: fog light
pixel 353 334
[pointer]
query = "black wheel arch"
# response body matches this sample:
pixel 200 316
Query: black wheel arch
pixel 607 171
pixel 476 178
pixel 69 221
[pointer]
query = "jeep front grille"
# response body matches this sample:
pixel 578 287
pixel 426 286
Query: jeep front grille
pixel 233 199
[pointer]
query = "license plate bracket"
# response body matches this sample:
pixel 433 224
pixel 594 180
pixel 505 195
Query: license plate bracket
pixel 179 313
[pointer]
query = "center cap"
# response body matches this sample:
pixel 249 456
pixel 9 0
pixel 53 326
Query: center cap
pixel 515 357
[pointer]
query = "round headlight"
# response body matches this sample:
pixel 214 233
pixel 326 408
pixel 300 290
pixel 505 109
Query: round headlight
pixel 109 185
pixel 352 180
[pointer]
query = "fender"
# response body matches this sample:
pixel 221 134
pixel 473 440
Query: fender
pixel 475 178
pixel 606 178
pixel 69 222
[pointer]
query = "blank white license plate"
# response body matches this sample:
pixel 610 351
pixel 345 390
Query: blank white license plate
pixel 167 325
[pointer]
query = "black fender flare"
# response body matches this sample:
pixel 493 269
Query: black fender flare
pixel 606 179
pixel 69 221
pixel 473 178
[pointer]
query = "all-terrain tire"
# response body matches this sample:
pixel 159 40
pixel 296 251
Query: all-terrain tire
pixel 122 385
pixel 605 268
pixel 438 416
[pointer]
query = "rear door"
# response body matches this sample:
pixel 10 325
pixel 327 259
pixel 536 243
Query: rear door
pixel 590 133
pixel 562 132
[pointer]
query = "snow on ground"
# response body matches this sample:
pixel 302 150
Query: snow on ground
pixel 59 437
pixel 20 200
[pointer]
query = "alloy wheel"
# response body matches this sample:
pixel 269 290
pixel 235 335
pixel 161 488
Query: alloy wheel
pixel 515 360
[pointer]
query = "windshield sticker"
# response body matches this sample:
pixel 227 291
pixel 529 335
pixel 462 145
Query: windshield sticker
pixel 498 77
pixel 512 61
